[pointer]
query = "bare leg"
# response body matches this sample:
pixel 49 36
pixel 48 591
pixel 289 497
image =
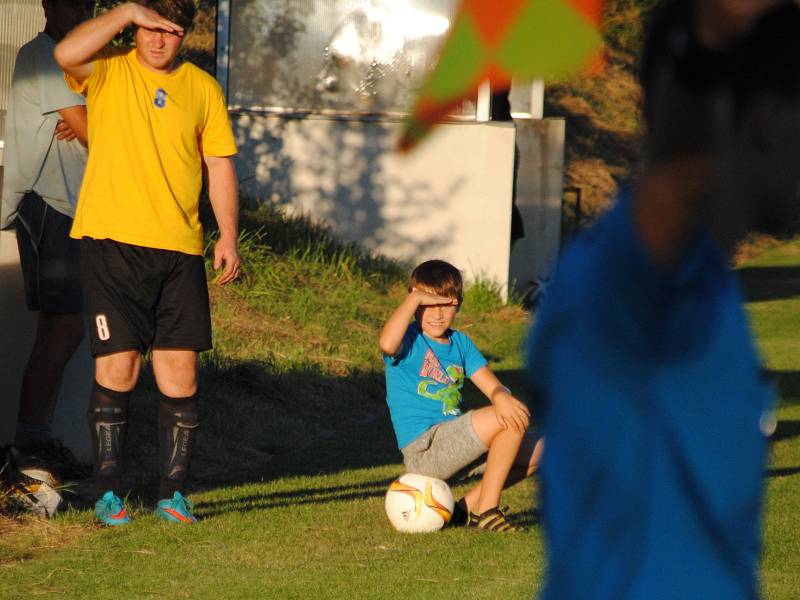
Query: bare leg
pixel 511 458
pixel 175 372
pixel 118 371
pixel 506 449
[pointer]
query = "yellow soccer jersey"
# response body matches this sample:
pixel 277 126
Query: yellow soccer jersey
pixel 148 133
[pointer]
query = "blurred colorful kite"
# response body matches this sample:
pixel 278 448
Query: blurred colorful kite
pixel 495 40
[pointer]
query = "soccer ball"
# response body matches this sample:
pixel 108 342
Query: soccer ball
pixel 418 504
pixel 36 488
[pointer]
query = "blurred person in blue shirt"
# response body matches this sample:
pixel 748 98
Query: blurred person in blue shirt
pixel 652 394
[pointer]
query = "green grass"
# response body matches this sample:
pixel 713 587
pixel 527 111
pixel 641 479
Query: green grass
pixel 773 284
pixel 296 449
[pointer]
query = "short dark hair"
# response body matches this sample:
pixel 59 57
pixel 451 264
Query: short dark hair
pixel 180 12
pixel 437 277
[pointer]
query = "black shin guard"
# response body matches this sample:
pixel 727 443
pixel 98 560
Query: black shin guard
pixel 108 423
pixel 177 425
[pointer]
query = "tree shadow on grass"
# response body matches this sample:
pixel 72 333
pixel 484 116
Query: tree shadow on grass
pixel 788 384
pixel 783 472
pixel 529 519
pixel 786 430
pixel 261 423
pixel 769 283
pixel 299 496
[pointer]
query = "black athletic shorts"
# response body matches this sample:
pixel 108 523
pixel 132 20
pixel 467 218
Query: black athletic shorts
pixel 139 298
pixel 49 258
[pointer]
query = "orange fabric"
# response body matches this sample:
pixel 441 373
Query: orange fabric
pixel 497 76
pixel 177 515
pixel 493 17
pixel 591 9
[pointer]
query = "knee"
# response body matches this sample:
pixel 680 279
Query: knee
pixel 177 387
pixel 118 372
pixel 176 373
pixel 512 434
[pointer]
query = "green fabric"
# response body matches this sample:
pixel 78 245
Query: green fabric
pixel 460 64
pixel 537 45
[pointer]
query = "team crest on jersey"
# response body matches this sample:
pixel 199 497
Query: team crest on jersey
pixel 161 98
pixel 432 368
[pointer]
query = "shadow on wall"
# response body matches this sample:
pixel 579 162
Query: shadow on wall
pixel 336 171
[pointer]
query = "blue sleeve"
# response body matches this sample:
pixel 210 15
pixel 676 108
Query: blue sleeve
pixel 405 346
pixel 473 359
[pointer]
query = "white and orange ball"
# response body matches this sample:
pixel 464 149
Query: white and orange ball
pixel 419 504
pixel 37 489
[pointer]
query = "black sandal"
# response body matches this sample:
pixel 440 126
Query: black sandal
pixel 491 520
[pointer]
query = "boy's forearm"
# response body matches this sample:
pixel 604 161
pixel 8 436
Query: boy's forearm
pixel 488 383
pixel 395 328
pixel 75 52
pixel 499 389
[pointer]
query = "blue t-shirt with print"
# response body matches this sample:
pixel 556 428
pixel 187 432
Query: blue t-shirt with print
pixel 424 381
pixel 651 393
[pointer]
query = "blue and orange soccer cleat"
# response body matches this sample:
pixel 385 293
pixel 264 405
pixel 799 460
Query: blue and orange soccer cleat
pixel 176 509
pixel 110 510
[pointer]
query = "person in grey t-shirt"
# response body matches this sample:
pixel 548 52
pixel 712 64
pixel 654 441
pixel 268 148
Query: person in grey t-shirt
pixel 45 152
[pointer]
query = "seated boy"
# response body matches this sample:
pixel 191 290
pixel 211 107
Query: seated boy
pixel 426 363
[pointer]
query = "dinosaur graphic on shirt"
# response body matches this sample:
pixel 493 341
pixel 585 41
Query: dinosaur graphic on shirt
pixel 446 385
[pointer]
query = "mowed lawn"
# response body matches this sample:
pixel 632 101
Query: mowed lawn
pixel 296 450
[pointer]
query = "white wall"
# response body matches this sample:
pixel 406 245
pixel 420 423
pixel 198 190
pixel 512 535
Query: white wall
pixel 450 198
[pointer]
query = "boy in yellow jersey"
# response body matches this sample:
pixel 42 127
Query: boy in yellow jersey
pixel 154 124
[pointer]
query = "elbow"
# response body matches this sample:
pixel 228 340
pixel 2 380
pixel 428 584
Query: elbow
pixel 66 59
pixel 60 55
pixel 387 347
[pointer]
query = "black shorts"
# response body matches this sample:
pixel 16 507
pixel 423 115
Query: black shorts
pixel 139 298
pixel 49 258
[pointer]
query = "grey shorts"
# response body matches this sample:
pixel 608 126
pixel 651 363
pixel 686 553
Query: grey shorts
pixel 444 449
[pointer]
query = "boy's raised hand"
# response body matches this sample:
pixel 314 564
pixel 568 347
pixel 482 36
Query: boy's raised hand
pixel 394 329
pixel 427 299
